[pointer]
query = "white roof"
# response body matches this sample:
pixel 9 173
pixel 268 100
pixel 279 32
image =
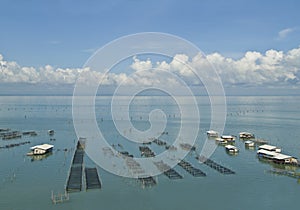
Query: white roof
pixel 227 137
pixel 275 155
pixel 42 146
pixel 230 147
pixel 211 132
pixel 266 152
pixel 267 147
pixel 280 156
pixel 249 142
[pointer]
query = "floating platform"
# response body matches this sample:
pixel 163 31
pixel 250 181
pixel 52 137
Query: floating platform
pixel 74 183
pixel 134 166
pixel 186 146
pixel 92 178
pixel 221 169
pixel 163 167
pixel 160 142
pixel 126 154
pixel 146 151
pixel 147 181
pixel 14 145
pixel 31 133
pixel 11 135
pixel 191 169
pixel 78 157
pixel 291 174
pixel 167 170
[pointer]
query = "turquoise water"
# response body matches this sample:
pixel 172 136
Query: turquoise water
pixel 27 183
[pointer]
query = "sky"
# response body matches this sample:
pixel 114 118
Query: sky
pixel 252 43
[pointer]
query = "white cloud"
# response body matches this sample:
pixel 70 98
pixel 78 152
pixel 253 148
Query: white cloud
pixel 272 68
pixel 141 65
pixel 284 33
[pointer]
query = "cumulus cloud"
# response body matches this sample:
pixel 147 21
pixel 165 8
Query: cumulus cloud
pixel 141 65
pixel 271 68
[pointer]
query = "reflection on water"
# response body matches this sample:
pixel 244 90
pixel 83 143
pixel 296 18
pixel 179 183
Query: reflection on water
pixel 278 166
pixel 40 157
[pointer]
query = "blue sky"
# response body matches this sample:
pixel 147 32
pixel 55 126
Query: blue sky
pixel 65 33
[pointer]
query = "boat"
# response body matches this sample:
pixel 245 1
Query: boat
pixel 246 135
pixel 231 149
pixel 270 148
pixel 228 138
pixel 40 149
pixel 221 141
pixel 212 133
pixel 276 157
pixel 249 144
pixel 51 132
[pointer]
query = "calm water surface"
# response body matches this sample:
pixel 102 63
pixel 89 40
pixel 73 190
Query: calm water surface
pixel 26 183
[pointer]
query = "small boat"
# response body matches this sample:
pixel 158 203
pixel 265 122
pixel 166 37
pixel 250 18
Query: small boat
pixel 231 149
pixel 246 135
pixel 221 141
pixel 270 148
pixel 212 133
pixel 51 132
pixel 249 144
pixel 40 149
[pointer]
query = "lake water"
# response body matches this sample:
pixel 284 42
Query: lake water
pixel 27 184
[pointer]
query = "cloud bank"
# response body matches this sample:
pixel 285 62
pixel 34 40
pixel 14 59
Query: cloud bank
pixel 272 69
